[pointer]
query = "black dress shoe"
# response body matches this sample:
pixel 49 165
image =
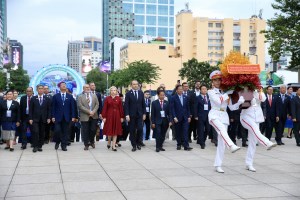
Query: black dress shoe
pixel 178 147
pixel 56 146
pixel 86 148
pixel 142 144
pixel 289 137
pixel 93 145
pixel 34 150
pixel 190 141
pixel 113 149
pixel 188 148
pixel 278 143
pixel 40 149
pixel 139 147
pixel 119 145
pixel 157 150
pixel 6 148
pixel 64 149
pixel 202 146
pixel 298 145
pixel 23 147
pixel 108 146
pixel 162 149
pixel 244 145
pixel 11 149
pixel 133 149
pixel 282 143
pixel 69 144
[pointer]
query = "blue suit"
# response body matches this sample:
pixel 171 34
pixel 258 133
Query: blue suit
pixel 161 123
pixel 62 112
pixel 182 113
pixel 202 115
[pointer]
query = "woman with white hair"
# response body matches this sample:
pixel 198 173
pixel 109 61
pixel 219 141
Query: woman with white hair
pixel 113 116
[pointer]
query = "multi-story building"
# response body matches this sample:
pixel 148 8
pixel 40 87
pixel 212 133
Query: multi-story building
pixel 211 39
pixel 15 52
pixel 3 13
pixel 94 43
pixel 73 54
pixel 131 19
pixel 1 42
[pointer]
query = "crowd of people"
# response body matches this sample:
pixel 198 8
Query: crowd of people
pixel 197 114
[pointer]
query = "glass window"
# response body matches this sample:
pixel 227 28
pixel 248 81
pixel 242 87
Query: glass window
pixel 151 20
pixel 163 21
pixel 171 23
pixel 128 7
pixel 171 12
pixel 139 30
pixel 171 41
pixel 218 25
pixel 163 32
pixel 139 20
pixel 210 25
pixel 151 31
pixel 142 1
pixel 171 1
pixel 163 1
pixel 139 9
pixel 151 1
pixel 151 9
pixel 171 32
pixel 163 10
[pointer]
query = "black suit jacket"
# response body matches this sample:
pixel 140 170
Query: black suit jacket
pixel 283 107
pixel 135 107
pixel 99 97
pixel 192 100
pixel 23 107
pixel 15 111
pixel 155 112
pixel 272 111
pixel 199 108
pixel 148 105
pixel 295 108
pixel 37 112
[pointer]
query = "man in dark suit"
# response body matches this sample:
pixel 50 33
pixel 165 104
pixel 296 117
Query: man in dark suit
pixel 24 109
pixel 147 120
pixel 271 112
pixel 99 97
pixel 192 100
pixel 39 116
pixel 283 103
pixel 160 119
pixel 135 112
pixel 48 136
pixel 180 113
pixel 63 112
pixel 295 114
pixel 201 109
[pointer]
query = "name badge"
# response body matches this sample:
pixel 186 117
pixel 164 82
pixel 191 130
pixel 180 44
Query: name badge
pixel 147 109
pixel 8 113
pixel 162 113
pixel 205 106
pixel 27 111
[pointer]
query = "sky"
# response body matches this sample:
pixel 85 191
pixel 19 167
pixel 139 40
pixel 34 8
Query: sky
pixel 44 27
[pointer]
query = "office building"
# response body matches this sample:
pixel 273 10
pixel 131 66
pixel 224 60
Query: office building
pixel 1 42
pixel 3 13
pixel 73 54
pixel 211 39
pixel 94 43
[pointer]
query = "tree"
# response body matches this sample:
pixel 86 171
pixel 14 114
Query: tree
pixel 194 71
pixel 284 32
pixel 19 79
pixel 2 81
pixel 99 78
pixel 142 71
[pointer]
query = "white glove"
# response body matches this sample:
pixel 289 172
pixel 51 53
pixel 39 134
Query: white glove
pixel 241 100
pixel 225 97
pixel 253 102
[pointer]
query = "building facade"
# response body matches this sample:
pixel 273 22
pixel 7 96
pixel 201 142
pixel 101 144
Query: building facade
pixel 3 13
pixel 73 54
pixel 212 39
pixel 1 42
pixel 94 43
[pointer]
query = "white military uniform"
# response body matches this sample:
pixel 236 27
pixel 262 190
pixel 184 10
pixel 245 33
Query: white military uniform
pixel 250 119
pixel 219 119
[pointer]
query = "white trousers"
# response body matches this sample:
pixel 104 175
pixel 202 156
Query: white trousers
pixel 223 139
pixel 254 135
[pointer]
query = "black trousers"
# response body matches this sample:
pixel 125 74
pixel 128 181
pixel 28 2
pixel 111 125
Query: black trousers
pixel 148 127
pixel 61 130
pixel 233 130
pixel 279 127
pixel 75 132
pixel 24 126
pixel 38 134
pixel 270 125
pixel 136 130
pixel 193 128
pixel 48 131
pixel 203 130
pixel 161 130
pixel 125 132
pixel 88 131
pixel 296 131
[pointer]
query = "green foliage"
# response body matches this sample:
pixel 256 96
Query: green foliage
pixel 19 80
pixel 99 78
pixel 142 71
pixel 194 71
pixel 2 81
pixel 284 32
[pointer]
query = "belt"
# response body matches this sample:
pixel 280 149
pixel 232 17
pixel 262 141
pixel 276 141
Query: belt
pixel 219 109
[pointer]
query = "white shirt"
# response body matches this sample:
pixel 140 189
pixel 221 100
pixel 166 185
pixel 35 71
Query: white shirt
pixel 40 97
pixel 137 93
pixel 197 92
pixel 9 102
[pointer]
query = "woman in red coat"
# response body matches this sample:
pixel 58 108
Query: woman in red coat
pixel 113 117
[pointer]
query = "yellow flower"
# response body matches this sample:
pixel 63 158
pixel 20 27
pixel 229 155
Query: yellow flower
pixel 233 57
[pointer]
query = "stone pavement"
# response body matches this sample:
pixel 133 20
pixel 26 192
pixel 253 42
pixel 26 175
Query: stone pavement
pixel 103 174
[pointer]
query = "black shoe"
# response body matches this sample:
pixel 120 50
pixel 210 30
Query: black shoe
pixel 6 148
pixel 244 145
pixel 69 144
pixel 56 146
pixel 46 142
pixel 202 146
pixel 40 149
pixel 133 149
pixel 34 150
pixel 119 145
pixel 178 147
pixel 282 143
pixel 11 149
pixel 278 143
pixel 188 148
pixel 64 149
pixel 190 141
pixel 289 137
pixel 108 146
pixel 86 148
pixel 162 149
pixel 157 150
pixel 113 149
pixel 138 147
pixel 23 147
pixel 142 144
pixel 298 145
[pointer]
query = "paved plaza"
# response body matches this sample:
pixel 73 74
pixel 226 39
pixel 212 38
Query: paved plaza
pixel 103 174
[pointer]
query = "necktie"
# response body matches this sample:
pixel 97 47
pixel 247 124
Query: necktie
pixel 40 100
pixel 205 100
pixel 282 98
pixel 162 105
pixel 181 100
pixel 28 101
pixel 270 100
pixel 135 94
pixel 63 98
pixel 88 98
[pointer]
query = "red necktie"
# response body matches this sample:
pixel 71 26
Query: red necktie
pixel 205 100
pixel 270 100
pixel 162 104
